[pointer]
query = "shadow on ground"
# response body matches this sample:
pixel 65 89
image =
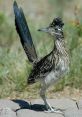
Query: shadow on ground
pixel 25 105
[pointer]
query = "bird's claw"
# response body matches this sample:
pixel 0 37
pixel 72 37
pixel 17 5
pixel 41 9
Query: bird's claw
pixel 53 110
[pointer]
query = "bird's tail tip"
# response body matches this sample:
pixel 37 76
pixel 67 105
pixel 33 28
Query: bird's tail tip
pixel 15 3
pixel 15 6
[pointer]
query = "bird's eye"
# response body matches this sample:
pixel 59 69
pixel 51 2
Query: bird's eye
pixel 56 29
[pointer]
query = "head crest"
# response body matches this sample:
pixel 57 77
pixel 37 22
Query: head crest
pixel 57 22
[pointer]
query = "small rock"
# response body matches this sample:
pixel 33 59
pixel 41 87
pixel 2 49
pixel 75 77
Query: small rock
pixel 4 103
pixel 7 112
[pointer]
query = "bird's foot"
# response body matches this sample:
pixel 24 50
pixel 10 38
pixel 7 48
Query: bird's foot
pixel 53 110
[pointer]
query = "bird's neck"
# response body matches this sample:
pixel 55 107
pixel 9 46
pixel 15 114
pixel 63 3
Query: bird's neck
pixel 59 43
pixel 60 47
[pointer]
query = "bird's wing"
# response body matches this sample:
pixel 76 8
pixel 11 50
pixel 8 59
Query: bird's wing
pixel 45 65
pixel 42 68
pixel 24 33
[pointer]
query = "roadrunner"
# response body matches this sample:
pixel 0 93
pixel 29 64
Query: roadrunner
pixel 53 66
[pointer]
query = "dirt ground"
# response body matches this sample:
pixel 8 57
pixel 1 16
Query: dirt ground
pixel 71 93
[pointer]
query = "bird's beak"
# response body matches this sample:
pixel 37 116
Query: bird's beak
pixel 44 29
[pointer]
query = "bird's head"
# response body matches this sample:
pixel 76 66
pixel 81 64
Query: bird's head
pixel 56 27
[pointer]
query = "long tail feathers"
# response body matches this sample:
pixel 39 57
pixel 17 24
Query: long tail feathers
pixel 24 33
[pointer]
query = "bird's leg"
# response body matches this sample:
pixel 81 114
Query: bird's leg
pixel 42 94
pixel 48 106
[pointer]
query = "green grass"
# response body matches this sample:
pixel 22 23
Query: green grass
pixel 15 67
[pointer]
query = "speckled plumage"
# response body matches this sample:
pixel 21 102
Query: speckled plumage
pixel 55 60
pixel 53 66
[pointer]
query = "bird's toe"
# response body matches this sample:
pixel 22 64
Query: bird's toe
pixel 54 110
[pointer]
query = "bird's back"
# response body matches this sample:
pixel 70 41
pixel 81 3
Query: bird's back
pixel 42 68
